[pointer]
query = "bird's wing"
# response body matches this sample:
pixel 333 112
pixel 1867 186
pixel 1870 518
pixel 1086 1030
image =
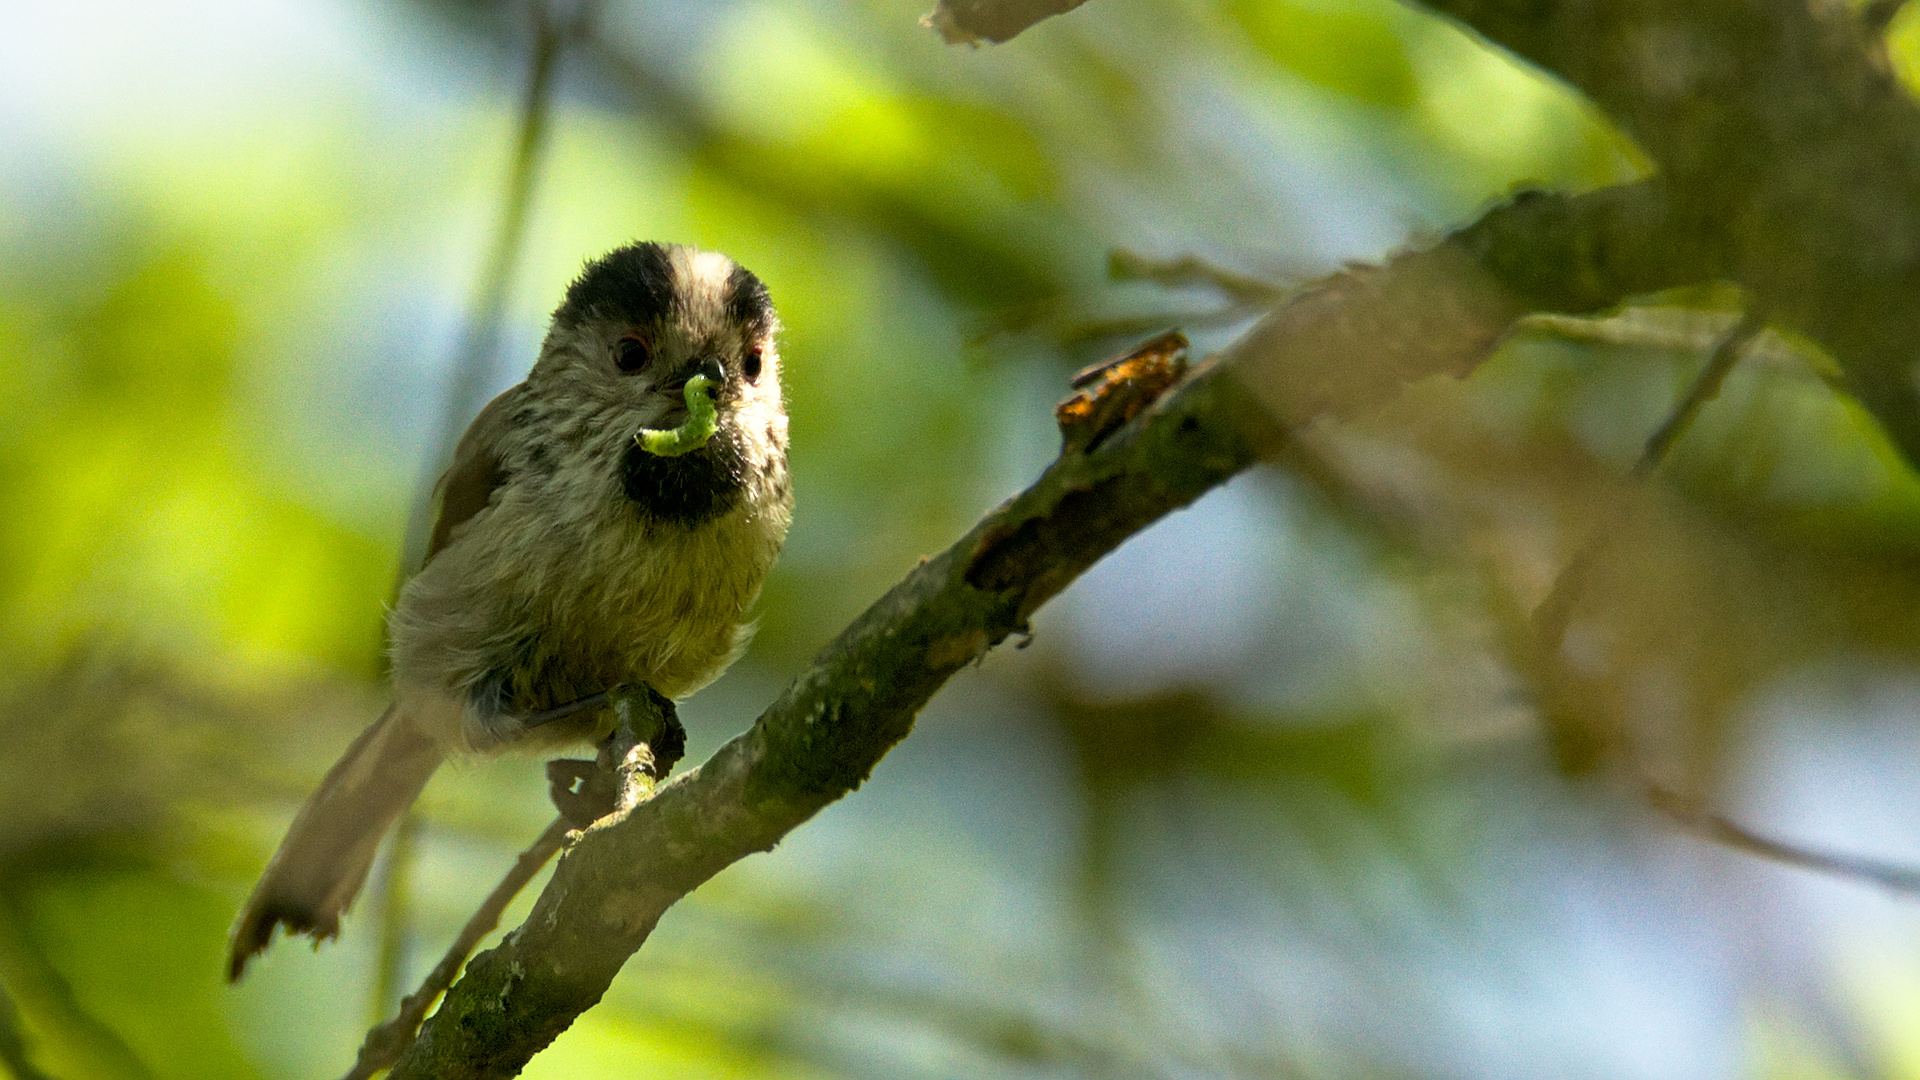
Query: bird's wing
pixel 476 471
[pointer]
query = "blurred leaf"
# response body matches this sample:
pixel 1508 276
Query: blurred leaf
pixel 68 1038
pixel 13 1042
pixel 1334 45
pixel 115 937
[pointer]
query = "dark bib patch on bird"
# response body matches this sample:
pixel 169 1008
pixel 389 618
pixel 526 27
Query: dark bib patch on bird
pixel 689 489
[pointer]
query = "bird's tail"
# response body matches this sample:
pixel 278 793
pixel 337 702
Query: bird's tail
pixel 326 855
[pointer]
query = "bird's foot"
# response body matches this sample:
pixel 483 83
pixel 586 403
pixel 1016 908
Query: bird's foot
pixel 644 745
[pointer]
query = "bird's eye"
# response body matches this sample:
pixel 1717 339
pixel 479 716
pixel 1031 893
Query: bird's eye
pixel 631 355
pixel 750 367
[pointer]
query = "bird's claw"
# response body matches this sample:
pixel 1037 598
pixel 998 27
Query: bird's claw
pixel 644 745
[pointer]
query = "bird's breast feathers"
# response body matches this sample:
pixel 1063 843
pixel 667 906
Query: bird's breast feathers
pixel 565 582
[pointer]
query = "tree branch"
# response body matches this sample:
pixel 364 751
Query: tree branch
pixel 1425 313
pixel 1786 145
pixel 384 1044
pixel 1189 270
pixel 1790 153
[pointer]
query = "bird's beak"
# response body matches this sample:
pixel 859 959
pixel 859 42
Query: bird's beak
pixel 711 367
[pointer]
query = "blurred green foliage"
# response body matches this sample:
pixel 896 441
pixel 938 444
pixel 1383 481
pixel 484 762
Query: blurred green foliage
pixel 1332 848
pixel 1351 52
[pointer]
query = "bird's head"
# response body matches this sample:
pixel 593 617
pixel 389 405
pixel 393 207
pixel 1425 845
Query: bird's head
pixel 634 329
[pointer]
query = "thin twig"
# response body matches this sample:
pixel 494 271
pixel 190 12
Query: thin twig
pixel 1551 617
pixel 1247 297
pixel 1132 326
pixel 647 741
pixel 1684 330
pixel 1124 265
pixel 1690 814
pixel 554 30
pixel 1706 387
pixel 385 1043
pixel 396 885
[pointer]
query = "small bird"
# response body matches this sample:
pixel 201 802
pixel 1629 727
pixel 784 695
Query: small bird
pixel 606 523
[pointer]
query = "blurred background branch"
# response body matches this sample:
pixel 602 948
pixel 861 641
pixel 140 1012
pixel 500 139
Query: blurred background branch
pixel 1808 206
pixel 1716 828
pixel 557 26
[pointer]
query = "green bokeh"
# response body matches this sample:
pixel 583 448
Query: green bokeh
pixel 224 339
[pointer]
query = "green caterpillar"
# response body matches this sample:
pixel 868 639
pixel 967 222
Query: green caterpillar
pixel 690 436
